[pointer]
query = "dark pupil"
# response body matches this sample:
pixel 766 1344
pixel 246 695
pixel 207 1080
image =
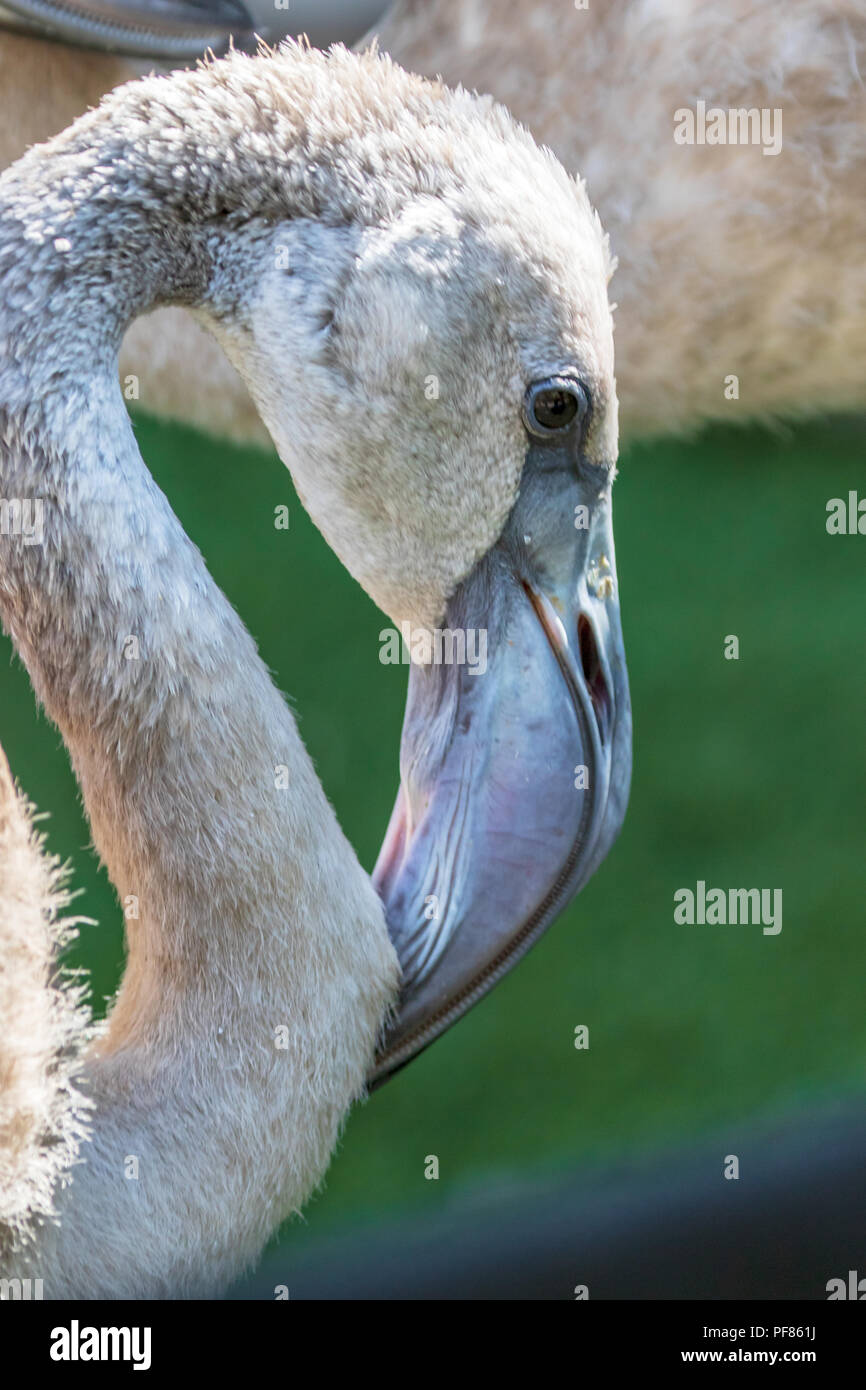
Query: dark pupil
pixel 555 408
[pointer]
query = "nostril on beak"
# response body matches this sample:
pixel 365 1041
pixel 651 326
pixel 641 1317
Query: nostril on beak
pixel 593 674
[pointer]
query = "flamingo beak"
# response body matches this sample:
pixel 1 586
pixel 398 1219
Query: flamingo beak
pixel 515 760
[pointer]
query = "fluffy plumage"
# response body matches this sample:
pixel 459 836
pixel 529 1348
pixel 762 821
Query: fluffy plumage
pixel 45 1026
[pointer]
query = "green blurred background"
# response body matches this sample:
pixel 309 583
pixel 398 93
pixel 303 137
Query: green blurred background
pixel 747 773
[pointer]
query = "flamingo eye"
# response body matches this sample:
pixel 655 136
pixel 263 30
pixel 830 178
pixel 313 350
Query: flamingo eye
pixel 553 406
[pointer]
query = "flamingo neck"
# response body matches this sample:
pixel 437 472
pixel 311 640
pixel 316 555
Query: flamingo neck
pixel 259 967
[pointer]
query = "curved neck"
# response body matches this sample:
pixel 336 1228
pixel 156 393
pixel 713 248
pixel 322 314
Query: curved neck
pixel 259 967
